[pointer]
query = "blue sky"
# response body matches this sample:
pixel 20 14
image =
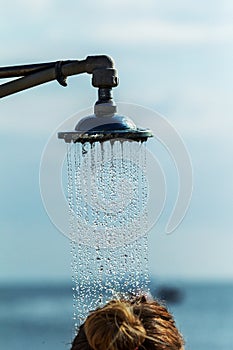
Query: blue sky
pixel 173 57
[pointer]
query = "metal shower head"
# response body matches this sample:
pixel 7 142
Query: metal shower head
pixel 105 125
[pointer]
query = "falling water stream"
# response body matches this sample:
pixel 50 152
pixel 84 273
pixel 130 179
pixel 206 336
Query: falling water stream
pixel 107 197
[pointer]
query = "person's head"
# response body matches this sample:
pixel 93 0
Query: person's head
pixel 135 324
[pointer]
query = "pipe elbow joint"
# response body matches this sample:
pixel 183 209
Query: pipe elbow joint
pixel 101 61
pixel 104 75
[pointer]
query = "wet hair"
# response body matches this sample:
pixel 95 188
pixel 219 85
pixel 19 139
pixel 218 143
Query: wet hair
pixel 136 324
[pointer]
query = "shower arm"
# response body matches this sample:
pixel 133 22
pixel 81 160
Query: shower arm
pixel 104 75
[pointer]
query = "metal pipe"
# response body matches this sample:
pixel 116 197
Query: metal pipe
pixel 22 70
pixel 38 78
pixel 102 68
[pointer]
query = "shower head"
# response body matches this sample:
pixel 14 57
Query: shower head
pixel 105 124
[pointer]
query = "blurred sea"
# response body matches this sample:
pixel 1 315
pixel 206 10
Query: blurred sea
pixel 39 317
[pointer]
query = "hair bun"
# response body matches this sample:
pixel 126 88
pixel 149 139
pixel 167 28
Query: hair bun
pixel 114 327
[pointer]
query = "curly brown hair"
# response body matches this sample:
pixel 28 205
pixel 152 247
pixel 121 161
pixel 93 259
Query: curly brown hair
pixel 136 324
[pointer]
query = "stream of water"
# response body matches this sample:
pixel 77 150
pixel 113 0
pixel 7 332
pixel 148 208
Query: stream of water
pixel 107 196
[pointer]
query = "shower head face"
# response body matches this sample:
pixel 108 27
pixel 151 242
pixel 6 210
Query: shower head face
pixel 105 125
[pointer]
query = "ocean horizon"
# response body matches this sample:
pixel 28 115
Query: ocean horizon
pixel 40 315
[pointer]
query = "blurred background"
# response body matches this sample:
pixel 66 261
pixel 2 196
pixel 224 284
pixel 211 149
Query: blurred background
pixel 172 57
